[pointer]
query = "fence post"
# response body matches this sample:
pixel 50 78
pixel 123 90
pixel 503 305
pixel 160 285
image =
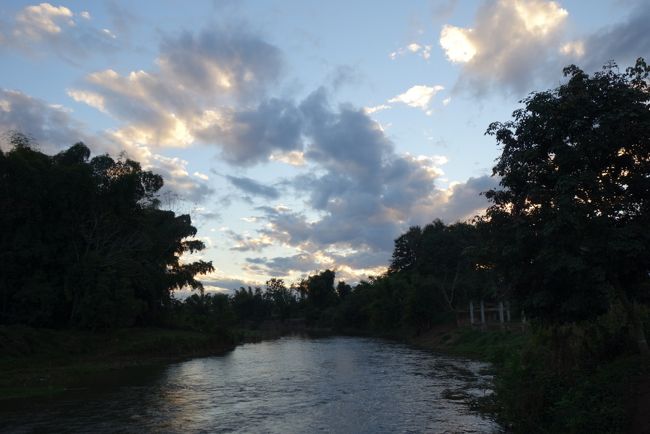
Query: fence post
pixel 471 312
pixel 508 311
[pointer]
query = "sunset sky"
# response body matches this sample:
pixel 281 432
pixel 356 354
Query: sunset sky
pixel 300 135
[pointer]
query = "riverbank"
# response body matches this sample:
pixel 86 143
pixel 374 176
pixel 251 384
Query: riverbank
pixel 555 379
pixel 44 362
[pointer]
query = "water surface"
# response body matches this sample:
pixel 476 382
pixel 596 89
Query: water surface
pixel 294 384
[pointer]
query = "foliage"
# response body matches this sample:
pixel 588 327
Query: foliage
pixel 570 223
pixel 573 378
pixel 84 242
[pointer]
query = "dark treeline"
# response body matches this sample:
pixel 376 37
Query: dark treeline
pixel 84 243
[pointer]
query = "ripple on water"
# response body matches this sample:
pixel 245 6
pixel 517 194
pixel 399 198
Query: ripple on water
pixel 294 384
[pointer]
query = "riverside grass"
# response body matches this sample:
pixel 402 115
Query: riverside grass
pixel 44 362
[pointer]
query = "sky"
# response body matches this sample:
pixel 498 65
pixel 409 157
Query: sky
pixel 300 135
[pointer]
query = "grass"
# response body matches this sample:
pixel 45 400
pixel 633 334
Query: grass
pixel 43 362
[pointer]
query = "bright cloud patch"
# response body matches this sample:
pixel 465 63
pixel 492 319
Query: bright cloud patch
pixel 41 20
pixel 92 99
pixel 423 51
pixel 457 44
pixel 417 96
pixel 45 28
pixel 193 96
pixel 293 158
pixel 510 45
pixel 540 17
pixel 575 49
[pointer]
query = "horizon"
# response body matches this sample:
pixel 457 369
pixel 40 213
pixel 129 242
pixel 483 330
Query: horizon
pixel 298 136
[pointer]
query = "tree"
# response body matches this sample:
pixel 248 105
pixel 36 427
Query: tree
pixel 321 292
pixel 282 299
pixel 573 213
pixel 407 247
pixel 84 243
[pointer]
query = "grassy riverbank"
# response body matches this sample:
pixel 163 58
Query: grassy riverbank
pixel 42 362
pixel 550 380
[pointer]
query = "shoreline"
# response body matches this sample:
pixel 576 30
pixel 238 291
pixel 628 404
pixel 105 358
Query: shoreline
pixel 46 363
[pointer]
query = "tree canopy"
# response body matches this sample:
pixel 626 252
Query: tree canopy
pixel 84 242
pixel 570 222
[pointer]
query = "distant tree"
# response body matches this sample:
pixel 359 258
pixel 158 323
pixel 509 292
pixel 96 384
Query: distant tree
pixel 405 253
pixel 250 305
pixel 571 219
pixel 282 298
pixel 321 292
pixel 445 259
pixel 343 289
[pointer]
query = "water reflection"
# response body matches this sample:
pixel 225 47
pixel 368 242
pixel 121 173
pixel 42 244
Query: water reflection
pixel 290 385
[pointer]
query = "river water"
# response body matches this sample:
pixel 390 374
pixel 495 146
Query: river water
pixel 293 384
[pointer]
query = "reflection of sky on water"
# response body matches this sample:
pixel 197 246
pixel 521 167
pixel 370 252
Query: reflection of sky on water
pixel 288 385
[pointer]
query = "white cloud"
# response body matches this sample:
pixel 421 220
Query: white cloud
pixel 202 176
pixel 92 99
pixel 193 94
pixel 45 29
pixel 510 45
pixel 418 96
pixel 574 49
pixel 423 51
pixel 457 44
pixel 293 158
pixel 377 108
pixel 40 21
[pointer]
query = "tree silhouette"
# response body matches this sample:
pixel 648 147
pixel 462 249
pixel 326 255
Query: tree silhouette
pixel 573 213
pixel 84 243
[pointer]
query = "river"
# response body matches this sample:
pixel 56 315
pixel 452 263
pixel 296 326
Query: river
pixel 293 384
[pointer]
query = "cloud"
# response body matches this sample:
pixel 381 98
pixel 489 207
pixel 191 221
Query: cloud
pixel 44 29
pixel 250 136
pixel 283 265
pixel 510 46
pixel 51 127
pixel 423 51
pixel 196 94
pixel 233 62
pixel 622 42
pixel 177 178
pixel 463 200
pixel 221 282
pixel 363 193
pixel 457 44
pixel 246 243
pixel 253 187
pixel 417 96
pixel 377 108
pixel 292 158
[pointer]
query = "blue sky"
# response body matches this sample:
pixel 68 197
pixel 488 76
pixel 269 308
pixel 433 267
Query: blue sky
pixel 300 135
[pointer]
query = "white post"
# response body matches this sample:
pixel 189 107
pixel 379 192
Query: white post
pixel 501 312
pixel 471 312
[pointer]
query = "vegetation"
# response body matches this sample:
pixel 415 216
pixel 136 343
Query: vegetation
pixel 41 362
pixel 565 240
pixel 86 244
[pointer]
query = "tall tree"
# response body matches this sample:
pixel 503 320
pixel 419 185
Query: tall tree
pixel 574 208
pixel 84 242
